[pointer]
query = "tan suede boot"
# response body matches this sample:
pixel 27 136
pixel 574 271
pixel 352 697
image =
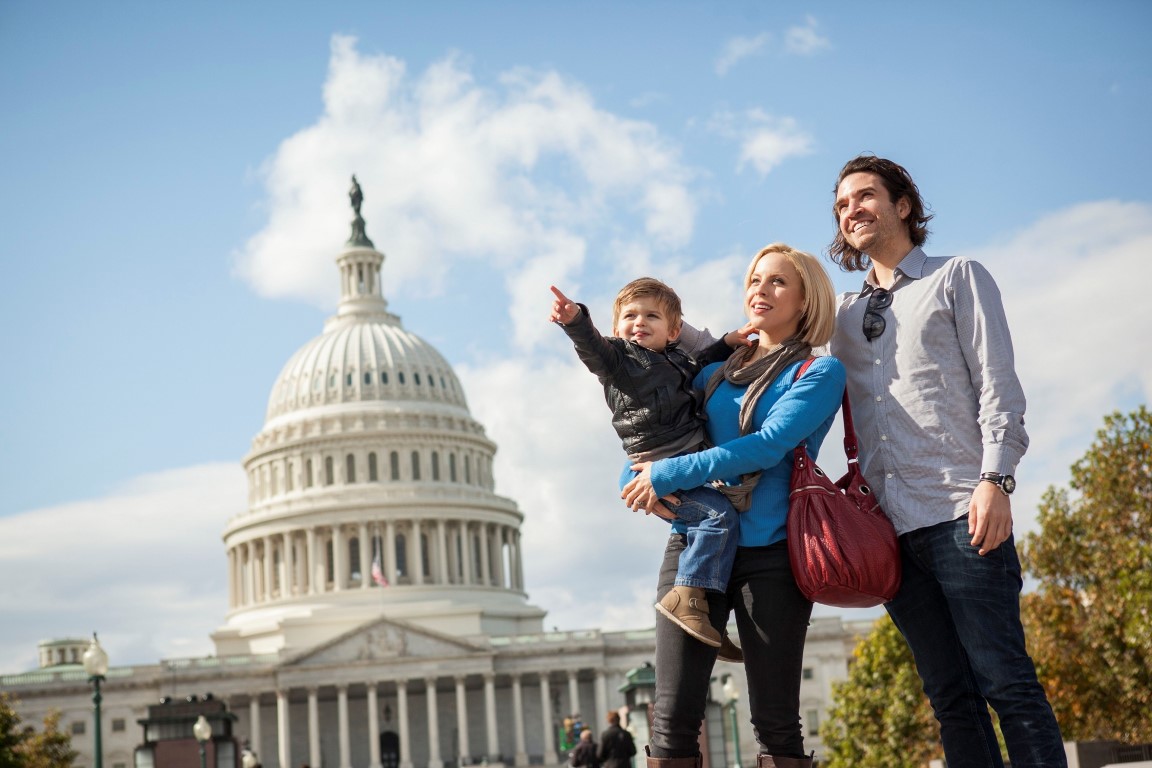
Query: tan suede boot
pixel 771 761
pixel 729 651
pixel 673 762
pixel 688 608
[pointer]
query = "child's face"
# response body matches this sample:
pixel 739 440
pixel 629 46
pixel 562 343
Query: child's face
pixel 645 322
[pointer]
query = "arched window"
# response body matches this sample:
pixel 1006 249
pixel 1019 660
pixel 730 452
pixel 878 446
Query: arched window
pixel 394 460
pixel 416 376
pixel 330 565
pixel 435 467
pixel 415 465
pixel 350 468
pixel 400 374
pixel 467 469
pixel 329 471
pixel 308 473
pixel 452 467
pixel 373 473
pixel 425 550
pixel 289 481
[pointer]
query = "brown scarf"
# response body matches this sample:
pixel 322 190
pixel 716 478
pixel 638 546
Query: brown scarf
pixel 756 377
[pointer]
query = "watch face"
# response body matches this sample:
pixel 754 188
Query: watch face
pixel 1008 483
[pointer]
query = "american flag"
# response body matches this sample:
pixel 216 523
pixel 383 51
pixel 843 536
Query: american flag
pixel 378 573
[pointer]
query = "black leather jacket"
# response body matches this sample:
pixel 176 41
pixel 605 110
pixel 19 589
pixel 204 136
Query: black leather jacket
pixel 650 393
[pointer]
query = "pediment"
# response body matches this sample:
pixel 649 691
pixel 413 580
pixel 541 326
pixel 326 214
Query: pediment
pixel 384 640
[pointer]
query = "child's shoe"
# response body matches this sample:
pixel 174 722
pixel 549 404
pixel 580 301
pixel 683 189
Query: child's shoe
pixel 688 608
pixel 729 651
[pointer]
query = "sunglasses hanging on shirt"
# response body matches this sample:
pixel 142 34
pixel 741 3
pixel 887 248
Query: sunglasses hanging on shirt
pixel 874 322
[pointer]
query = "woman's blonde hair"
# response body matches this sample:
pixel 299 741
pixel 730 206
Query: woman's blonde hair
pixel 819 318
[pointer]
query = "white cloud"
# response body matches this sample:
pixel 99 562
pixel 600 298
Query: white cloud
pixel 142 566
pixel 805 40
pixel 765 140
pixel 739 48
pixel 456 170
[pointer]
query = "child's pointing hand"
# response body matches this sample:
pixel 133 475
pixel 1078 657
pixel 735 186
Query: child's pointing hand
pixel 564 310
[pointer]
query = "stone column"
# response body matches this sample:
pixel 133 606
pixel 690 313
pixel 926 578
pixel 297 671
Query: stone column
pixel 465 755
pixel 601 689
pixel 550 755
pixel 518 721
pixel 466 553
pixel 390 551
pixel 485 555
pixel 441 553
pixel 254 722
pixel 373 726
pixel 434 760
pixel 285 565
pixel 250 576
pixel 402 722
pixel 501 578
pixel 416 552
pixel 283 731
pixel 313 729
pixel 574 694
pixel 342 726
pixel 339 560
pixel 313 560
pixel 490 718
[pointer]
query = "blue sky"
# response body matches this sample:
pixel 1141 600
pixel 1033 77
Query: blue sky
pixel 173 185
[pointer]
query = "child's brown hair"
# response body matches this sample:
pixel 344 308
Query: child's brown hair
pixel 650 287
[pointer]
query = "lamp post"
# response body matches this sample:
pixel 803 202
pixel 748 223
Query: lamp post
pixel 96 665
pixel 202 730
pixel 731 696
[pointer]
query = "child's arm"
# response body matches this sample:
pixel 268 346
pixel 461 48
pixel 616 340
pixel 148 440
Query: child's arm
pixel 600 355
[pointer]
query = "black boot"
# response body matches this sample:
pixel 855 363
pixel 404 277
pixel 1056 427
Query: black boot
pixel 772 761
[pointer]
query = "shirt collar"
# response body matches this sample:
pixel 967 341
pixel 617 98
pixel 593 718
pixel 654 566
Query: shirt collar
pixel 911 266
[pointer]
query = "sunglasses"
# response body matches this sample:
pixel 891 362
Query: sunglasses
pixel 874 322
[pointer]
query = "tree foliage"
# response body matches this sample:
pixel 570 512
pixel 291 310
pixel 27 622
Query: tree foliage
pixel 1089 622
pixel 880 717
pixel 22 746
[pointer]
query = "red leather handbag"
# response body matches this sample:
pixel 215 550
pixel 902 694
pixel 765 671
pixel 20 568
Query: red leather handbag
pixel 842 546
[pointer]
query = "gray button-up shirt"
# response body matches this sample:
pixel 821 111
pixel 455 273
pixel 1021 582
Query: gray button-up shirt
pixel 935 397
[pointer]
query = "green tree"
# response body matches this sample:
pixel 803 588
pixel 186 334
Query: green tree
pixel 880 716
pixel 1089 622
pixel 22 746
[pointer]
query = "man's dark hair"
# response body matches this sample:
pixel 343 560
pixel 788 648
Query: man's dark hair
pixel 899 184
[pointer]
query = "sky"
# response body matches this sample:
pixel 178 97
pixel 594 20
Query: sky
pixel 173 193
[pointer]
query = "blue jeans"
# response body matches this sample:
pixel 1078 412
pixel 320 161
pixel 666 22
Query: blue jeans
pixel 960 614
pixel 710 523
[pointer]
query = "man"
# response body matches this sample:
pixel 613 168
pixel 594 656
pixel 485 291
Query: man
pixel 616 745
pixel 939 413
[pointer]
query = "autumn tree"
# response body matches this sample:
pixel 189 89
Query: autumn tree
pixel 22 746
pixel 1089 621
pixel 880 716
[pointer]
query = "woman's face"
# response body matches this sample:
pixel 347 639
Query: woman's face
pixel 774 298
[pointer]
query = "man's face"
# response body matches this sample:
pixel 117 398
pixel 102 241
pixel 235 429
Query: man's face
pixel 869 220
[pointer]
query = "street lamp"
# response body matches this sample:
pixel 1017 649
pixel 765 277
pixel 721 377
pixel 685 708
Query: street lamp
pixel 731 696
pixel 202 730
pixel 96 665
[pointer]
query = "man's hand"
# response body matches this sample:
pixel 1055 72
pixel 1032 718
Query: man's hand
pixel 739 337
pixel 989 517
pixel 564 310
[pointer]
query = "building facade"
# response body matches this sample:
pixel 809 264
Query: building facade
pixel 377 611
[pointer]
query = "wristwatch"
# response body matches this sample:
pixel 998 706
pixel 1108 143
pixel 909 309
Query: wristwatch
pixel 1006 483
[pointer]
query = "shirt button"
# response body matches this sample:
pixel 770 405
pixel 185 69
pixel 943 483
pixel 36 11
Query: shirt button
pixel 877 361
pixel 889 475
pixel 878 398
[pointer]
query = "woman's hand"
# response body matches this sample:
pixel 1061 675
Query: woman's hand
pixel 640 496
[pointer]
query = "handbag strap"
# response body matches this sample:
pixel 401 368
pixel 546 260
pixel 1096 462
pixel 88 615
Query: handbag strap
pixel 851 447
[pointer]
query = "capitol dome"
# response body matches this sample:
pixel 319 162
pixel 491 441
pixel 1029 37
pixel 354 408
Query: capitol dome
pixel 370 491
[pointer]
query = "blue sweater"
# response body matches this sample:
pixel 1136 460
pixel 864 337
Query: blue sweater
pixel 788 412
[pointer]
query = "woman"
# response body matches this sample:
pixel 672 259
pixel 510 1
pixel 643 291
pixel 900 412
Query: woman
pixel 758 412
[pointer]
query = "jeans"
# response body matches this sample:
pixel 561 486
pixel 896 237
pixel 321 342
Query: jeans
pixel 960 614
pixel 711 526
pixel 772 618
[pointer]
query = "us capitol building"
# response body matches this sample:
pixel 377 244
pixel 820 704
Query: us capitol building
pixel 377 610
